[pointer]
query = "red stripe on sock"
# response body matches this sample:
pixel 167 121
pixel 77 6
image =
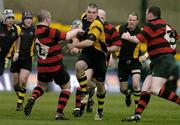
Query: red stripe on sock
pixel 63 99
pixel 139 110
pixel 171 96
pixel 37 91
pixel 142 102
pixel 60 106
pixel 66 92
pixel 34 95
pixel 78 97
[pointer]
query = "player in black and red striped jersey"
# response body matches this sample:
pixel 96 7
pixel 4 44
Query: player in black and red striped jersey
pixel 161 47
pixel 50 64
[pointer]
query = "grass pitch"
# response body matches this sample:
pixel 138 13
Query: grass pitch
pixel 158 112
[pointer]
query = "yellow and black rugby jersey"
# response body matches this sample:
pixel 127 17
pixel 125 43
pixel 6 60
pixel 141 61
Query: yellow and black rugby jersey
pixel 8 37
pixel 140 48
pixel 129 50
pixel 97 29
pixel 26 48
pixel 94 31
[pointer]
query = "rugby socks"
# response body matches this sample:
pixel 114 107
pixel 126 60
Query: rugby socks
pixel 21 95
pixel 100 98
pixel 83 83
pixel 17 88
pixel 143 102
pixel 136 96
pixel 78 97
pixel 169 95
pixel 37 92
pixel 62 100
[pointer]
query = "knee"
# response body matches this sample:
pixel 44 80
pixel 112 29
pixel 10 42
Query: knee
pixel 66 86
pixel 23 81
pixel 100 88
pixel 123 87
pixel 136 87
pixel 80 65
pixel 122 90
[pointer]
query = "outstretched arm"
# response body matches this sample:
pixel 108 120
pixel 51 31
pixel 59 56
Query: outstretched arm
pixel 130 38
pixel 73 33
pixel 83 44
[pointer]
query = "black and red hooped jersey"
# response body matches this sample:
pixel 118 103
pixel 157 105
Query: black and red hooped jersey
pixel 160 37
pixel 49 51
pixel 111 35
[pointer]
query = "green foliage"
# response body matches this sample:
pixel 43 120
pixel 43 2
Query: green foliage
pixel 159 112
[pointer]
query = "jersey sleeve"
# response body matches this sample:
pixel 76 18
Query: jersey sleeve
pixel 57 35
pixel 116 39
pixel 144 35
pixel 95 30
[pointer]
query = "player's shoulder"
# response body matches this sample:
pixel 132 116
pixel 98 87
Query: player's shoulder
pixel 97 22
pixel 17 26
pixel 83 16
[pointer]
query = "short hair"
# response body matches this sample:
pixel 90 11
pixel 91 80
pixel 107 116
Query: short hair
pixel 43 15
pixel 93 5
pixel 134 14
pixel 155 11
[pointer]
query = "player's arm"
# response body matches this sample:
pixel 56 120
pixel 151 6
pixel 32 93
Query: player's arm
pixel 116 41
pixel 130 38
pixel 113 48
pixel 83 44
pixel 18 40
pixel 71 34
pixel 17 44
pixel 58 36
pixel 93 34
pixel 32 50
pixel 144 57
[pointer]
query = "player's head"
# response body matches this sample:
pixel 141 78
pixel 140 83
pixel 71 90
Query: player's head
pixel 8 17
pixel 153 12
pixel 91 12
pixel 76 24
pixel 44 17
pixel 27 18
pixel 102 15
pixel 132 20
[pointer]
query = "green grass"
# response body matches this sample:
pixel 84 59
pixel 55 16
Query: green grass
pixel 159 112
